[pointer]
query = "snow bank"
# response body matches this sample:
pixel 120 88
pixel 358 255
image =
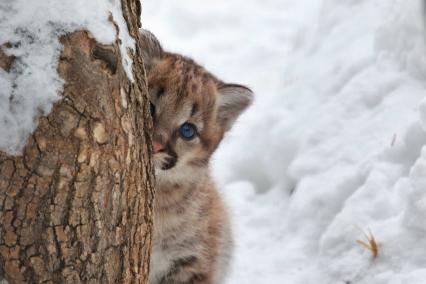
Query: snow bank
pixel 334 143
pixel 32 29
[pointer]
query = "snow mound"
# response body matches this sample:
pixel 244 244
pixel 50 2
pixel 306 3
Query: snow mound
pixel 31 31
pixel 334 144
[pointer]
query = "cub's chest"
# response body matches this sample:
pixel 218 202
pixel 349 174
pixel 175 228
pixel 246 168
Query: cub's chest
pixel 161 262
pixel 170 243
pixel 174 237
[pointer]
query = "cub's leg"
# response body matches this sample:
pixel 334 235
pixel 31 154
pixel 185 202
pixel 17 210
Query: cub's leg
pixel 188 270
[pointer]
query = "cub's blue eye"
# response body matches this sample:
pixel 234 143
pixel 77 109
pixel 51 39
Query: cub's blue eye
pixel 187 130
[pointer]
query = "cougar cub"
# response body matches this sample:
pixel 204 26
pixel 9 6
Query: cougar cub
pixel 191 111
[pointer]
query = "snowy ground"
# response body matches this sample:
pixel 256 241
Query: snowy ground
pixel 334 142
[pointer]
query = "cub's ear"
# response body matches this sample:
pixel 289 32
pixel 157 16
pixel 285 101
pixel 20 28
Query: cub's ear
pixel 233 99
pixel 151 48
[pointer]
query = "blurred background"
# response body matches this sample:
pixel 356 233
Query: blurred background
pixel 333 143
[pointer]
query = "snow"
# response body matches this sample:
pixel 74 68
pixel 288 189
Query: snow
pixel 33 30
pixel 334 144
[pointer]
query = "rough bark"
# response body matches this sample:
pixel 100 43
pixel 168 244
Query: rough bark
pixel 76 206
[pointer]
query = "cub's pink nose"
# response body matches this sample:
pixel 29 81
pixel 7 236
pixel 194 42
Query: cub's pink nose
pixel 157 147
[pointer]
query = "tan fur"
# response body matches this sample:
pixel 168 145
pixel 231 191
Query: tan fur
pixel 192 240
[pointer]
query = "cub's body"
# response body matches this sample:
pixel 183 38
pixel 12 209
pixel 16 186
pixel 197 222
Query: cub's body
pixel 192 237
pixel 191 111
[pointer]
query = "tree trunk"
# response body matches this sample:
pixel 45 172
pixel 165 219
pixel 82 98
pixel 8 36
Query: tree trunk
pixel 76 207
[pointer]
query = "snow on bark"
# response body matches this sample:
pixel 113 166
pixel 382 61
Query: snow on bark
pixel 29 38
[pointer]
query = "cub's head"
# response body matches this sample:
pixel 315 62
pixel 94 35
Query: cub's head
pixel 191 111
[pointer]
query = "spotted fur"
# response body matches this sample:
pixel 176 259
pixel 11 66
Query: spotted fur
pixel 192 240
